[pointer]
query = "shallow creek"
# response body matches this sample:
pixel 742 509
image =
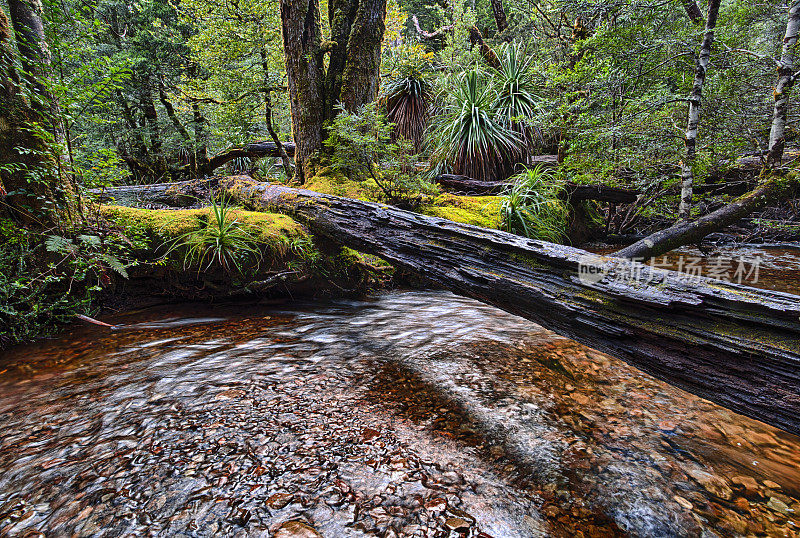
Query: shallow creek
pixel 408 414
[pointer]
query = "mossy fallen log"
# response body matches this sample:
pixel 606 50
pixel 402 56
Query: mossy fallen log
pixel 572 191
pixel 734 345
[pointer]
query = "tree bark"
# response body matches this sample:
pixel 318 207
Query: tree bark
pixel 487 53
pixel 777 138
pixel 695 101
pixel 499 16
pixel 737 346
pixel 351 77
pixel 287 164
pixel 160 166
pixel 302 43
pixel 39 191
pixel 693 11
pixel 771 191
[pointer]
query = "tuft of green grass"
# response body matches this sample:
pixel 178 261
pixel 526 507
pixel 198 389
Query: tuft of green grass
pixel 532 206
pixel 220 240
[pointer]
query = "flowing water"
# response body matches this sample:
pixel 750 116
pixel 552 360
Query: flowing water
pixel 408 414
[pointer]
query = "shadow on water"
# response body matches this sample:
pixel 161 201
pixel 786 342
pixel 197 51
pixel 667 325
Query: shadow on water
pixel 409 414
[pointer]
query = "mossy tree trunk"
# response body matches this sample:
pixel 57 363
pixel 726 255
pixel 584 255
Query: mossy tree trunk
pixel 39 189
pixel 351 76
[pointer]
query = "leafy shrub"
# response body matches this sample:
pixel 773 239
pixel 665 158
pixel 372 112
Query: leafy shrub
pixel 361 142
pixel 45 282
pixel 532 206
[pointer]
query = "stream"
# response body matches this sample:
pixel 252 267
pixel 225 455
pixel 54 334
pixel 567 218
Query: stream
pixel 409 413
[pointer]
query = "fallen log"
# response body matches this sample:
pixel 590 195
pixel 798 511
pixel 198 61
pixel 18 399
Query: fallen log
pixel 156 195
pixel 735 345
pixel 254 150
pixel 772 190
pixel 574 192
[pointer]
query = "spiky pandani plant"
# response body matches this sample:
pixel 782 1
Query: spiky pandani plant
pixel 467 137
pixel 220 240
pixel 408 106
pixel 517 102
pixel 532 206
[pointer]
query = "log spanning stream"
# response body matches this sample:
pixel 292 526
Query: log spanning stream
pixel 408 414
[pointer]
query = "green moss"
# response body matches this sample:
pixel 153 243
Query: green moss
pixel 328 181
pixel 481 211
pixel 271 229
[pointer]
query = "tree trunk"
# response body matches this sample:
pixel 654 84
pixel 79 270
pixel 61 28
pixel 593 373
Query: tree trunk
pixel 287 164
pixel 695 99
pixel 737 346
pixel 487 53
pixel 201 159
pixel 499 16
pixel 693 11
pixel 771 191
pixel 160 166
pixel 302 44
pixel 777 139
pixel 39 190
pixel 351 77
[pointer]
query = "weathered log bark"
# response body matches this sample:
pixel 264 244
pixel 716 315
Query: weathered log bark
pixel 772 190
pixel 158 195
pixel 254 150
pixel 786 76
pixel 737 346
pixel 574 192
pixel 693 121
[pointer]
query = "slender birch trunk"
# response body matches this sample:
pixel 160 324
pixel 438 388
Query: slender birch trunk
pixel 695 99
pixel 786 66
pixel 287 164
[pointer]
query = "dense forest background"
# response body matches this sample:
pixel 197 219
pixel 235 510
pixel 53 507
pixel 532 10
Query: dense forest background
pixel 150 90
pixel 683 102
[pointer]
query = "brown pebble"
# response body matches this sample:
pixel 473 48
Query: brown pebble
pixel 295 529
pixel 456 524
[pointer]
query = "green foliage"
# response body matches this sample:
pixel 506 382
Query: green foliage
pixel 46 282
pixel 361 142
pixel 516 103
pixel 221 240
pixel 467 137
pixel 532 206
